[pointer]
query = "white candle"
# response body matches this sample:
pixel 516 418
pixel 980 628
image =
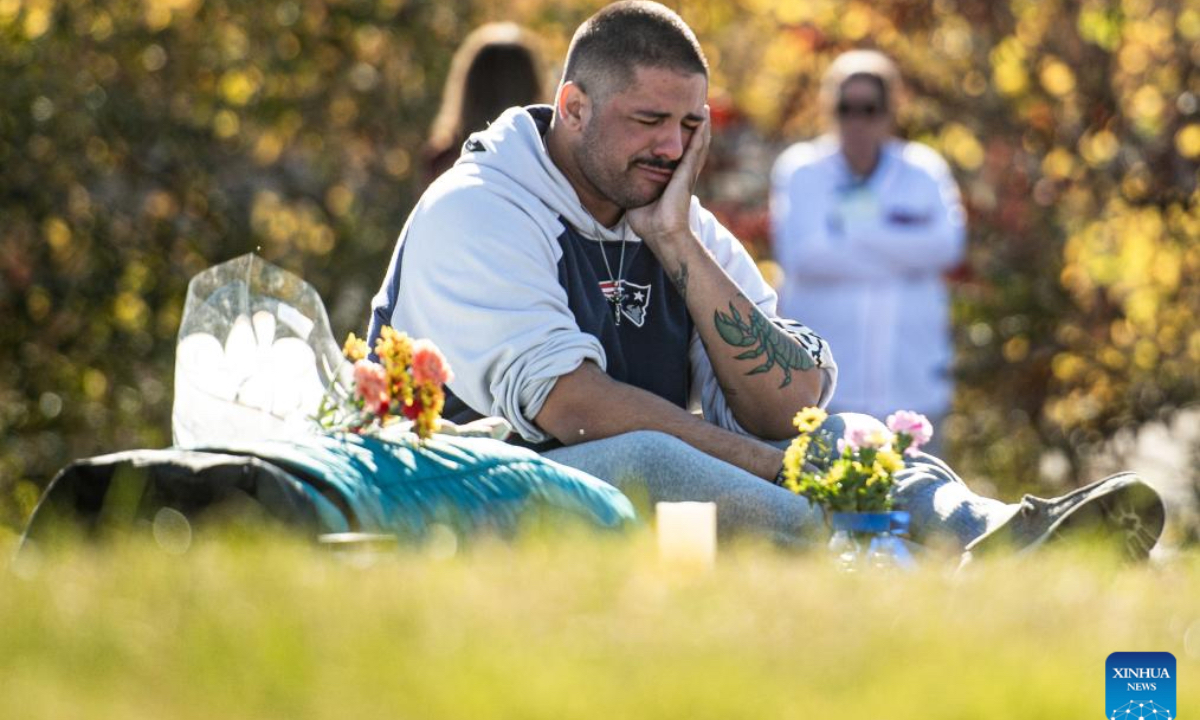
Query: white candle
pixel 687 533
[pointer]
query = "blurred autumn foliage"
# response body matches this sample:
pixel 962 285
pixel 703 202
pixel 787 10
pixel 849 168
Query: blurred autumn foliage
pixel 144 140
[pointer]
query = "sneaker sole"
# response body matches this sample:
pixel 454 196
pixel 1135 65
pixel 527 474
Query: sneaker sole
pixel 1130 519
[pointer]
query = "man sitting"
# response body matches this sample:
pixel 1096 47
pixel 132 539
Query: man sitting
pixel 580 291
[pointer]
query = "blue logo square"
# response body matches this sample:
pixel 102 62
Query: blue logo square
pixel 1140 686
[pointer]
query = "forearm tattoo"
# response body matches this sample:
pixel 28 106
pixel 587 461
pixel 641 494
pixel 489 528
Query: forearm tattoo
pixel 680 280
pixel 780 342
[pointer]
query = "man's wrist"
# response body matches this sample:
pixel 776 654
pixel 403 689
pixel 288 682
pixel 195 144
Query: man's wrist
pixel 673 242
pixel 771 467
pixel 676 250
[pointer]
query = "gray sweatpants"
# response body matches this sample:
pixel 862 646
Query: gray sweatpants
pixel 656 467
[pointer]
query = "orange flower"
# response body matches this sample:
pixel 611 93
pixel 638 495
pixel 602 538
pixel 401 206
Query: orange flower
pixel 371 384
pixel 429 365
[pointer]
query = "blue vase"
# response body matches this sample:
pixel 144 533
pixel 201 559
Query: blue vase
pixel 878 531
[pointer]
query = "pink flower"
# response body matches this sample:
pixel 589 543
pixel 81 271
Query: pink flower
pixel 371 384
pixel 429 365
pixel 913 424
pixel 861 436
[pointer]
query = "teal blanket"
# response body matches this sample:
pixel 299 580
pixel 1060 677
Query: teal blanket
pixel 471 484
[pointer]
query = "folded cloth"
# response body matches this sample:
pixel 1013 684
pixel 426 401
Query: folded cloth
pixel 496 428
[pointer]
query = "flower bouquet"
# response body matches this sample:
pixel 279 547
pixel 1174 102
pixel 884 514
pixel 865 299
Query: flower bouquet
pixel 854 485
pixel 406 382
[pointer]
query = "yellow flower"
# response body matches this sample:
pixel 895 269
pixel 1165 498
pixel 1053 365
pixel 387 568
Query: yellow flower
pixel 837 473
pixel 429 419
pixel 809 419
pixel 890 460
pixel 355 348
pixel 793 461
pixel 394 346
pixel 395 354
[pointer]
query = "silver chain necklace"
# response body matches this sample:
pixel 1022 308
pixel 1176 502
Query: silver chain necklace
pixel 618 281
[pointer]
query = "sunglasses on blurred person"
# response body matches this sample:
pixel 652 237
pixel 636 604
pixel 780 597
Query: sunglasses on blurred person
pixel 864 110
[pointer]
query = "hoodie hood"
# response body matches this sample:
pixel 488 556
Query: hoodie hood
pixel 512 150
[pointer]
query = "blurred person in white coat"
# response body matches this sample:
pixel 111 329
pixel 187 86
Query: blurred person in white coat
pixel 865 226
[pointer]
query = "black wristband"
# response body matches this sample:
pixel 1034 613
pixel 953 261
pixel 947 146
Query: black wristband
pixel 779 476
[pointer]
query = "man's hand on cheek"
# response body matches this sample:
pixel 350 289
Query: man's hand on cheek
pixel 666 220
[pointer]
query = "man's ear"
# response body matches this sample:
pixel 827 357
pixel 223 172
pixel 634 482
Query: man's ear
pixel 573 106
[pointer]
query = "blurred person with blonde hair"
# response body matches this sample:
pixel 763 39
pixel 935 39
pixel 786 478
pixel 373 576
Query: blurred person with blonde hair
pixel 865 225
pixel 496 67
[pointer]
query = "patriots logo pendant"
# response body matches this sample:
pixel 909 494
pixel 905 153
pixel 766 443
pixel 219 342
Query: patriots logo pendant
pixel 629 300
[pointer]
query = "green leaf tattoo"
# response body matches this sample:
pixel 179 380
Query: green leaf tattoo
pixel 765 340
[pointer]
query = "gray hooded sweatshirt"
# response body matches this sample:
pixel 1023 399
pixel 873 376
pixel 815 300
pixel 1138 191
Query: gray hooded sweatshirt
pixel 501 266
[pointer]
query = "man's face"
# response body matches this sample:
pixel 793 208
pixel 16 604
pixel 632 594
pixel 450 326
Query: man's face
pixel 864 122
pixel 636 135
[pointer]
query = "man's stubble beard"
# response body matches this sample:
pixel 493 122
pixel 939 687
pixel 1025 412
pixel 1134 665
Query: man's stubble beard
pixel 615 185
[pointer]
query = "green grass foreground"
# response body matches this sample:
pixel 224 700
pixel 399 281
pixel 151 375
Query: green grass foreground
pixel 573 627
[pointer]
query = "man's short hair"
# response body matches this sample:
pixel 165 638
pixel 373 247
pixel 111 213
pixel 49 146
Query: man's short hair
pixel 610 45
